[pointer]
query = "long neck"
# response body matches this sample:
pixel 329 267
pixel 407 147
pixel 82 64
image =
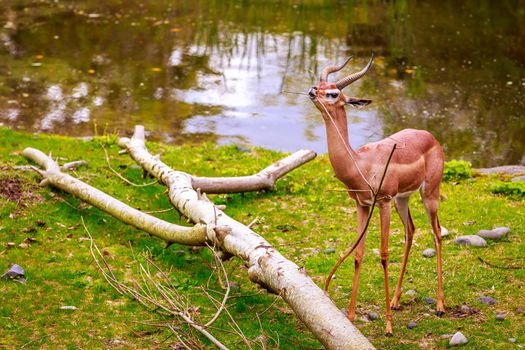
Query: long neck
pixel 339 144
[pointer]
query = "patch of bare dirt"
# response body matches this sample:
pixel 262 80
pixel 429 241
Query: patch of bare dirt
pixel 11 189
pixel 15 190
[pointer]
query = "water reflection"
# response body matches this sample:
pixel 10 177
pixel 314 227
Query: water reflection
pixel 217 70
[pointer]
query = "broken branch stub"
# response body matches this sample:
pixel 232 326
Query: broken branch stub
pixel 267 266
pixel 169 232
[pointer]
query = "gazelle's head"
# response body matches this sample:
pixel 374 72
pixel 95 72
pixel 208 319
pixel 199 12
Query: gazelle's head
pixel 328 97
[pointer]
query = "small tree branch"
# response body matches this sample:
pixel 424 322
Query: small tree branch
pixel 265 179
pixel 164 230
pixel 267 267
pixel 173 309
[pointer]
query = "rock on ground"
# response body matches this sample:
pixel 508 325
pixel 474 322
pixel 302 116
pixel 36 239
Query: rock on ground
pixel 372 315
pixel 506 169
pixel 444 232
pixel 429 300
pixel 487 300
pixel 458 339
pixel 471 240
pixel 410 293
pixel 429 252
pixel 496 233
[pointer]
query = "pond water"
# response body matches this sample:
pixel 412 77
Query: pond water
pixel 218 70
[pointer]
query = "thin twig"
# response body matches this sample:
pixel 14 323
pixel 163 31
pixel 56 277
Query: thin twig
pixel 254 221
pixel 226 294
pixel 122 177
pixel 158 211
pixel 500 266
pixel 362 234
pixel 293 92
pixel 173 310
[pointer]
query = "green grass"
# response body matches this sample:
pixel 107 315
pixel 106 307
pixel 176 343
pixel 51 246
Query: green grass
pixel 302 217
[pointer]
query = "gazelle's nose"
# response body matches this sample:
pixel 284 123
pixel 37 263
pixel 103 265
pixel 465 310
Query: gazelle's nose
pixel 312 93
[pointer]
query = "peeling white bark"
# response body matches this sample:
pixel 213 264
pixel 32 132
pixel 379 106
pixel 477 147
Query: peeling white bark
pixel 267 266
pixel 169 232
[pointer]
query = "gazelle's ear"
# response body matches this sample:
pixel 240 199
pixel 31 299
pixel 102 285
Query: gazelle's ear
pixel 357 102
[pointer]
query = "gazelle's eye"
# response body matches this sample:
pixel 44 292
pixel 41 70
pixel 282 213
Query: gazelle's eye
pixel 332 94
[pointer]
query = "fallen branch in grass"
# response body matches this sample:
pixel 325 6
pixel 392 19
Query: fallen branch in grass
pixel 157 292
pixel 52 175
pixel 266 266
pixel 488 263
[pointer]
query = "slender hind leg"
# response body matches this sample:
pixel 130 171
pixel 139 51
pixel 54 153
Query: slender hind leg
pixel 362 216
pixel 404 213
pixel 431 200
pixel 384 214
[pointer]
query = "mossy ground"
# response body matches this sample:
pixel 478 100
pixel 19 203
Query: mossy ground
pixel 302 217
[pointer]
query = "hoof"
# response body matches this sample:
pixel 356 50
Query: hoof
pixel 389 334
pixel 440 313
pixel 395 307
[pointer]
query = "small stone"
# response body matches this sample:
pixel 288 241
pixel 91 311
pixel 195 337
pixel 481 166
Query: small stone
pixel 375 251
pixel 500 316
pixel 516 179
pixel 411 293
pixel 23 245
pixel 487 300
pixel 458 339
pixel 372 315
pixel 329 250
pixel 15 271
pixel 429 252
pixel 496 233
pixel 429 300
pixel 11 244
pixel 465 309
pixel 411 324
pixel 501 230
pixel 242 149
pixel 471 240
pixel 512 340
pixel 68 307
pixel 234 286
pixel 444 232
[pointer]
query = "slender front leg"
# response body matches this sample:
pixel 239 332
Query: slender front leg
pixel 384 214
pixel 404 213
pixel 432 208
pixel 362 216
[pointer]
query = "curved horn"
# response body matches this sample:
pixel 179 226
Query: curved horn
pixel 332 69
pixel 341 84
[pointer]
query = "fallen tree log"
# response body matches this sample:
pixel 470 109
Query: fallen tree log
pixel 169 232
pixel 266 266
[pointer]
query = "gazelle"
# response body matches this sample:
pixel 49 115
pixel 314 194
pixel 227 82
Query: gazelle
pixel 416 164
